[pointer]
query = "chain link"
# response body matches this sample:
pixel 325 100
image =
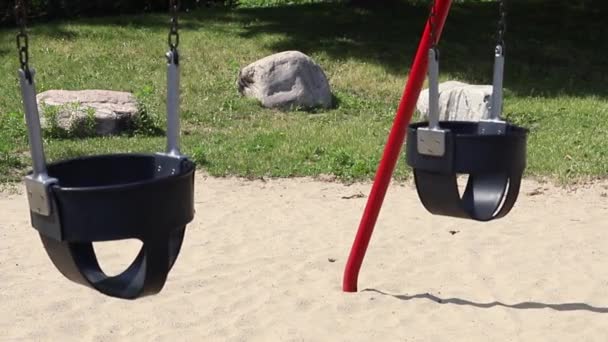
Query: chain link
pixel 502 23
pixel 173 38
pixel 433 25
pixel 22 38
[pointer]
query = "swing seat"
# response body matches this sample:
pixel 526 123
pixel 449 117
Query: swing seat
pixel 149 197
pixel 493 154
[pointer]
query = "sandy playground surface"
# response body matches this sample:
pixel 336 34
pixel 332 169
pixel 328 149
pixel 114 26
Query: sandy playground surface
pixel 263 261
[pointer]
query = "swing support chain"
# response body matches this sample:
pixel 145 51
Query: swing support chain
pixel 494 124
pixel 502 23
pixel 22 38
pixel 38 182
pixel 433 74
pixel 173 38
pixel 173 125
pixel 431 139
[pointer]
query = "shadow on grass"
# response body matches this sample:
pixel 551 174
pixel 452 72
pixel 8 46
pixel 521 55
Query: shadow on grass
pixel 552 49
pixel 521 306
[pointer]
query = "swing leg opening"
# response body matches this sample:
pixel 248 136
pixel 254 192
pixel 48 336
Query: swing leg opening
pixel 486 196
pixel 145 276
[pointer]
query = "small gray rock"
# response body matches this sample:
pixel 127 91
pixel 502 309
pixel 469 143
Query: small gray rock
pixel 286 80
pixel 458 101
pixel 112 111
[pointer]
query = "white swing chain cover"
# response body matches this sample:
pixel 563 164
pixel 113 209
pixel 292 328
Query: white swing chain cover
pixel 431 140
pixel 37 184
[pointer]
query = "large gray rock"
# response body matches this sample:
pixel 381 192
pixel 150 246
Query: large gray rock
pixel 458 101
pixel 286 80
pixel 87 112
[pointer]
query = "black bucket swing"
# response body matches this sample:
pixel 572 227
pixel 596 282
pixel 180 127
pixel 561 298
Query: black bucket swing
pixel 75 202
pixel 492 152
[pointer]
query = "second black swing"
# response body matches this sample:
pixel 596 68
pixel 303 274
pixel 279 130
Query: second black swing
pixel 76 202
pixel 492 152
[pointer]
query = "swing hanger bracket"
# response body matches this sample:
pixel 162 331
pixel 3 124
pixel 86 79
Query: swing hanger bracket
pixel 431 141
pixel 38 193
pixel 492 127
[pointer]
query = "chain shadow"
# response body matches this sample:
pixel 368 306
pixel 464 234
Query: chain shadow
pixel 520 306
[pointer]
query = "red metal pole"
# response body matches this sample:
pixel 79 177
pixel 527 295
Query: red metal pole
pixel 393 148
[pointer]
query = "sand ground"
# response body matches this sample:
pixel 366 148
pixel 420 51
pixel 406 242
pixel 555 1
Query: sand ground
pixel 257 266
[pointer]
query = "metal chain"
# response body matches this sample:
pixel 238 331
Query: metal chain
pixel 433 26
pixel 502 23
pixel 22 38
pixel 173 38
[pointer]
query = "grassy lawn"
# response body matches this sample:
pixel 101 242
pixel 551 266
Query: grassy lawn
pixel 556 84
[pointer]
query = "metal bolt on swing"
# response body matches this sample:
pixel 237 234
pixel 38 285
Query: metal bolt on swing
pixel 150 197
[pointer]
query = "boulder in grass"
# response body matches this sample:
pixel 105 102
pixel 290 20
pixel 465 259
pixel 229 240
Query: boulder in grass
pixel 458 101
pixel 286 80
pixel 87 112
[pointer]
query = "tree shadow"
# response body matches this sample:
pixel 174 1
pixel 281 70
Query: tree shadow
pixel 521 306
pixel 59 28
pixel 57 31
pixel 551 49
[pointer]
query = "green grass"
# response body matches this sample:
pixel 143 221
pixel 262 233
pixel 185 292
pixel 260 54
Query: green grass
pixel 555 84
